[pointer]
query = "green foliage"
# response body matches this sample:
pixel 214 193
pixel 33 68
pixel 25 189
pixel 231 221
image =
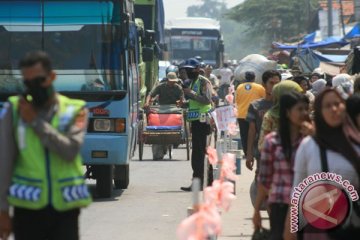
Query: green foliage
pixel 277 19
pixel 240 41
pixel 209 9
pixel 251 26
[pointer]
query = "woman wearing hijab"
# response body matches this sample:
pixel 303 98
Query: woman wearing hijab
pixel 334 148
pixel 271 118
pixel 353 109
pixel 344 84
pixel 357 84
pixel 277 160
pixel 305 85
pixel 318 87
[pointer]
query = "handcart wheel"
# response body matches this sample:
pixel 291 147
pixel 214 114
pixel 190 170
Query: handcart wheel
pixel 170 152
pixel 141 140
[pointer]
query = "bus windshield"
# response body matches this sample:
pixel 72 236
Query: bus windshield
pixel 188 46
pixel 83 39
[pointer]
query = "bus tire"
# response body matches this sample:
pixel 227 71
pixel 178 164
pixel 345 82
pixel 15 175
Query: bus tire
pixel 122 176
pixel 104 177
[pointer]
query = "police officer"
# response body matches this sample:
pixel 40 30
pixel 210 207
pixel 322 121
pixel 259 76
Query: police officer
pixel 199 94
pixel 41 173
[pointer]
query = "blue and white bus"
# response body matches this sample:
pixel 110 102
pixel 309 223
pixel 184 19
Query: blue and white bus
pixel 93 46
pixel 192 36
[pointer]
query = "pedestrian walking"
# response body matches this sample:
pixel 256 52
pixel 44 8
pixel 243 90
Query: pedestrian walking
pixel 255 115
pixel 318 87
pixel 353 109
pixel 225 74
pixel 41 173
pixel 305 85
pixel 245 94
pixel 212 78
pixel 339 142
pixel 277 159
pixel 357 84
pixel 271 118
pixel 256 112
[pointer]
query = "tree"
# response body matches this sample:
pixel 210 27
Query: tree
pixel 240 41
pixel 208 8
pixel 230 29
pixel 276 19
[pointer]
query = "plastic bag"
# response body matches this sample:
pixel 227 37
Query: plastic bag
pixel 256 63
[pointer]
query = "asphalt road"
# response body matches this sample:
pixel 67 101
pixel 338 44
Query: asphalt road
pixel 152 206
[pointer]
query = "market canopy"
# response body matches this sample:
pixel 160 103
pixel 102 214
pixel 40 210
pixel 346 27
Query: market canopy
pixel 306 44
pixel 310 59
pixel 330 58
pixel 354 33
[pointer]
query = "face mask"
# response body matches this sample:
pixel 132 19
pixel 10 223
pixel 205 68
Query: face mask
pixel 40 95
pixel 192 75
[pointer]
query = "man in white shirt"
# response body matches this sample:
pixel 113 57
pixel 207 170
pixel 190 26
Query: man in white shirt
pixel 226 74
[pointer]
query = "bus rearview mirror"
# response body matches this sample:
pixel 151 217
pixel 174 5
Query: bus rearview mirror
pixel 149 37
pixel 221 47
pixel 147 54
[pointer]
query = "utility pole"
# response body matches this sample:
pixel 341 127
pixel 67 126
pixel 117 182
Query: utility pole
pixel 330 18
pixel 357 10
pixel 342 16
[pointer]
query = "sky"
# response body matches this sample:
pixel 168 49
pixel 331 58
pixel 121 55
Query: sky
pixel 177 8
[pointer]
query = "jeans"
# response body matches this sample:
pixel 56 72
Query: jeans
pixel 46 224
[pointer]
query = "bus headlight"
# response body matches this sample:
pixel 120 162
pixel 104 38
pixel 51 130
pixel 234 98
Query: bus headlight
pixel 120 125
pixel 102 125
pixel 114 125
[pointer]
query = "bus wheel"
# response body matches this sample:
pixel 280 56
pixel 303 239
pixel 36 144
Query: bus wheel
pixel 104 177
pixel 121 178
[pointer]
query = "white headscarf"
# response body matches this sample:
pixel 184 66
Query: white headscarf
pixel 318 86
pixel 344 84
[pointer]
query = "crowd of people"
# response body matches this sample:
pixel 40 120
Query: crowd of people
pixel 288 126
pixel 287 123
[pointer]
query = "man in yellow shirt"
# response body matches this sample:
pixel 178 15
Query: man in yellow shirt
pixel 246 93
